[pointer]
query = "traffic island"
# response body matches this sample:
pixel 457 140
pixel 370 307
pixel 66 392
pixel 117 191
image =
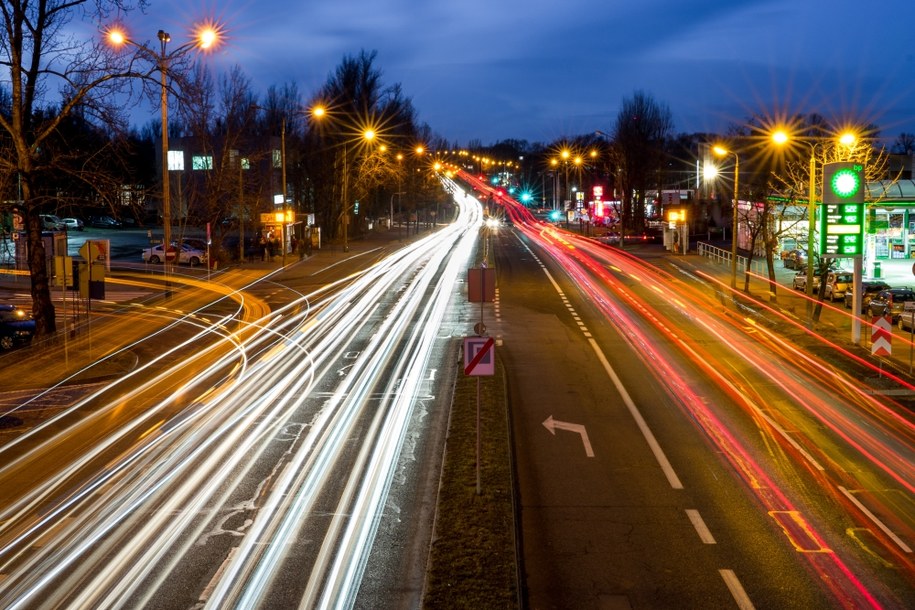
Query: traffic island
pixel 473 560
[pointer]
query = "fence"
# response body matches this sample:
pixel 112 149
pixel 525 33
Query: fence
pixel 723 256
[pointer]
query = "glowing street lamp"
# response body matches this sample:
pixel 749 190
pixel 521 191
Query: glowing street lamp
pixel 722 152
pixel 781 137
pixel 206 37
pixel 367 134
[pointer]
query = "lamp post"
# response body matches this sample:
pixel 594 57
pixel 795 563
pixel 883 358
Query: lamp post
pixel 367 134
pixel 400 172
pixel 285 223
pixel 391 214
pixel 721 151
pixel 846 139
pixel 206 38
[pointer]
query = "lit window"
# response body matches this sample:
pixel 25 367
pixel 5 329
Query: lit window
pixel 176 160
pixel 201 162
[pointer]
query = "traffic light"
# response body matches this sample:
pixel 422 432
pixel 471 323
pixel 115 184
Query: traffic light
pixel 843 182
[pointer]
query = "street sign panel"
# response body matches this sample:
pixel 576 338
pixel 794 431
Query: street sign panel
pixel 881 336
pixel 481 285
pixel 479 356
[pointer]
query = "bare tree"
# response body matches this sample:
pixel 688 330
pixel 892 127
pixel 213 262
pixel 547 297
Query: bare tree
pixel 643 125
pixel 904 144
pixel 356 99
pixel 49 67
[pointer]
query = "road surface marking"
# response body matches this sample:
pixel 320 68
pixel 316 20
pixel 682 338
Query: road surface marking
pixel 736 589
pixel 886 530
pixel 653 444
pixel 705 535
pixel 552 424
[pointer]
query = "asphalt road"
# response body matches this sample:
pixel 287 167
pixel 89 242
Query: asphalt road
pixel 667 484
pixel 256 447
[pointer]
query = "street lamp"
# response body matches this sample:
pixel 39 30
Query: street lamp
pixel 206 38
pixel 846 139
pixel 721 152
pixel 285 223
pixel 367 134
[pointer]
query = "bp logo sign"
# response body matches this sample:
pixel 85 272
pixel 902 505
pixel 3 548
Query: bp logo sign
pixel 843 182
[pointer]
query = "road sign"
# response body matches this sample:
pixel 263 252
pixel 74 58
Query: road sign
pixel 481 285
pixel 881 336
pixel 479 356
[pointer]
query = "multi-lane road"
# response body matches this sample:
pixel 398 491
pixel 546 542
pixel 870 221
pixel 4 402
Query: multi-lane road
pixel 253 460
pixel 674 451
pixel 278 446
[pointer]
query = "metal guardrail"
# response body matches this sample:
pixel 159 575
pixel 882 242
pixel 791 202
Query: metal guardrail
pixel 723 256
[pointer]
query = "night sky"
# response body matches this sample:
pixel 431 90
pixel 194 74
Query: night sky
pixel 494 69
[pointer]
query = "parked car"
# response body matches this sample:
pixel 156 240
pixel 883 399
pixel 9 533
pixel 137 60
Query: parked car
pixel 50 222
pixel 868 290
pixel 104 222
pixel 17 327
pixel 799 282
pixel 837 284
pixel 890 302
pixel 907 321
pixel 795 259
pixel 72 224
pixel 195 242
pixel 185 253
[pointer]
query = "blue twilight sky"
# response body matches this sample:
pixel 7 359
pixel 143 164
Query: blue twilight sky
pixel 540 71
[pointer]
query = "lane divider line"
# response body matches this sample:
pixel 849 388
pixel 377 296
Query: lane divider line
pixel 705 534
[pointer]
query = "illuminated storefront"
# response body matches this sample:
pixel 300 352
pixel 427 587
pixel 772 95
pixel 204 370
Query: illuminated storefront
pixel 890 223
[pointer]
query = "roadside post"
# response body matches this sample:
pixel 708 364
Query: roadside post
pixel 479 360
pixel 479 351
pixel 909 306
pixel 882 337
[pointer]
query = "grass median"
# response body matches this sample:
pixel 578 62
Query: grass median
pixel 472 562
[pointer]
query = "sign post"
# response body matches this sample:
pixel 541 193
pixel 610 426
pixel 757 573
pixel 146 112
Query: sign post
pixel 842 221
pixel 479 360
pixel 909 306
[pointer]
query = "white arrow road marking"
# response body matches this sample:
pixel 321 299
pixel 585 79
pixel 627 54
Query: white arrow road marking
pixel 552 424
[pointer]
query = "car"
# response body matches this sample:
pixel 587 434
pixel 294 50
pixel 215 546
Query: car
pixel 907 321
pixel 799 281
pixel 195 242
pixel 837 284
pixel 795 259
pixel 868 290
pixel 186 254
pixel 50 222
pixel 17 327
pixel 72 224
pixel 104 222
pixel 890 302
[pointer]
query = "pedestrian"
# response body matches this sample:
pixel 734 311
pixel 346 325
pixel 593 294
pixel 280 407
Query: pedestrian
pixel 262 242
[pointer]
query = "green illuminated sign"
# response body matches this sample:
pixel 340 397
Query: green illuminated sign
pixel 845 183
pixel 842 213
